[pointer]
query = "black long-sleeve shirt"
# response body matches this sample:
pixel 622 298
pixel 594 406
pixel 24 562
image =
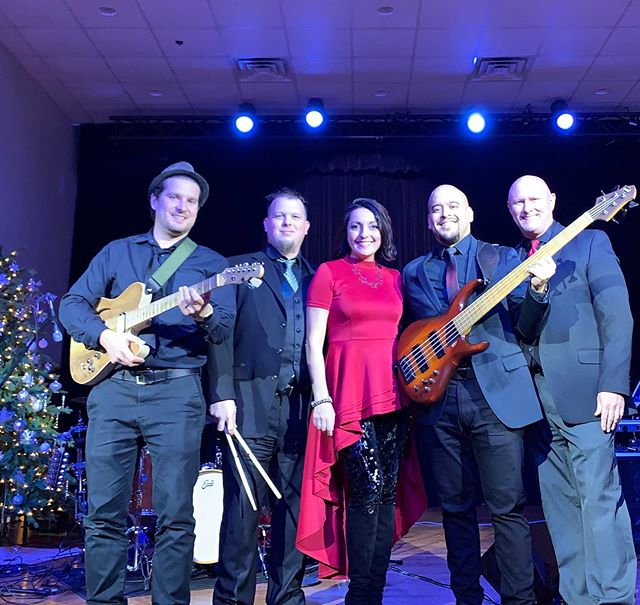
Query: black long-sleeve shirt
pixel 176 341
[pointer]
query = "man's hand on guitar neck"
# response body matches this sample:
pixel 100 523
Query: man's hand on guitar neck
pixel 194 305
pixel 541 272
pixel 118 347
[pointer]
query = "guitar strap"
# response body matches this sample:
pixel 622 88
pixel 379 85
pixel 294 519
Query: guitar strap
pixel 162 274
pixel 488 257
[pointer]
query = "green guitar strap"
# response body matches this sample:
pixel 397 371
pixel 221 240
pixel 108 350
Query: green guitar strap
pixel 162 274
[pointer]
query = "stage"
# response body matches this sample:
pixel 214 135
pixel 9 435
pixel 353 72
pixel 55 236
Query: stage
pixel 418 569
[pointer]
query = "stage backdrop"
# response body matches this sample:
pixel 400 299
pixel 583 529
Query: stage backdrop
pixel 114 173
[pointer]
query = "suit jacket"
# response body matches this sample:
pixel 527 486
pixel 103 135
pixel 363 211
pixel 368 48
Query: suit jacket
pixel 246 366
pixel 585 346
pixel 501 370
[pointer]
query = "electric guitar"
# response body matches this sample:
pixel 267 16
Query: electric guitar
pixel 132 311
pixel 430 350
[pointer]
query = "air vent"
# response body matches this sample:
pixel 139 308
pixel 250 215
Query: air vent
pixel 500 68
pixel 262 69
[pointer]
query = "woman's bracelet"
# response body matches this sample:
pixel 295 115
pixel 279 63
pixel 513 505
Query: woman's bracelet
pixel 316 402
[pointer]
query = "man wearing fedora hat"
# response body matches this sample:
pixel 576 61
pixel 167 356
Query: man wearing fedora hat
pixel 158 399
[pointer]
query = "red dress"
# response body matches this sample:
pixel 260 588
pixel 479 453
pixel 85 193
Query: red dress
pixel 362 334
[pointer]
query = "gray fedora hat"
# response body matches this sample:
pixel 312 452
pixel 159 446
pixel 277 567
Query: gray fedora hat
pixel 183 169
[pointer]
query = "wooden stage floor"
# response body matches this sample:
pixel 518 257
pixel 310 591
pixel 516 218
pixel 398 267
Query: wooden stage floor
pixel 420 553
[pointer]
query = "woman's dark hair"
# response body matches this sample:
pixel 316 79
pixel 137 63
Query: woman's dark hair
pixel 387 250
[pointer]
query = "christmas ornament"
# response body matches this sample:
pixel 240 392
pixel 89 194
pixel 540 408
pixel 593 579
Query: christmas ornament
pixel 23 395
pixel 55 386
pixel 45 448
pixel 28 437
pixel 36 404
pixel 43 343
pixel 17 500
pixel 19 425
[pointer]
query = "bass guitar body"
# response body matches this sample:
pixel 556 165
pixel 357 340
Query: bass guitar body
pixel 430 350
pixel 90 366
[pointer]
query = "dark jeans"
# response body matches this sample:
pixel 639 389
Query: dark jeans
pixel 469 433
pixel 281 453
pixel 169 416
pixel 372 463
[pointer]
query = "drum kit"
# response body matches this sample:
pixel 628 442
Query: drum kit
pixel 141 518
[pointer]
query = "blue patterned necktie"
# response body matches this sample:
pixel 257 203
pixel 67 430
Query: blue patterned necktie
pixel 289 275
pixel 451 274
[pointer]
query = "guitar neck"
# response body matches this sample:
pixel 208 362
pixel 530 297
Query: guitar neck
pixel 469 316
pixel 142 314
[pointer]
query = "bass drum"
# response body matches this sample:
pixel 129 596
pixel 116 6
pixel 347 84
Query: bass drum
pixel 207 511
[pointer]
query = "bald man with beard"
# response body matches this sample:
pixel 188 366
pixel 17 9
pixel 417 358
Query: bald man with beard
pixel 479 422
pixel 580 365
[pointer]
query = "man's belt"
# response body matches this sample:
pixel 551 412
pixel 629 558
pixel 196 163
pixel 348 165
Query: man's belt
pixel 153 376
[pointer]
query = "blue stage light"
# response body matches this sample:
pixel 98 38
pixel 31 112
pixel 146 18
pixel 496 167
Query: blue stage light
pixel 562 117
pixel 244 121
pixel 314 113
pixel 476 122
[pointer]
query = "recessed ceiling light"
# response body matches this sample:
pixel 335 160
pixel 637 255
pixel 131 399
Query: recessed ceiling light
pixel 380 93
pixel 155 93
pixel 386 10
pixel 602 91
pixel 107 11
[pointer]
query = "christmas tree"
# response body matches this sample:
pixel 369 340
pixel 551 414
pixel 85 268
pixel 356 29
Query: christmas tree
pixel 29 485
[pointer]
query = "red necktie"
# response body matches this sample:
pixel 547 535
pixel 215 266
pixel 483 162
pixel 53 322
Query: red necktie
pixel 535 244
pixel 451 274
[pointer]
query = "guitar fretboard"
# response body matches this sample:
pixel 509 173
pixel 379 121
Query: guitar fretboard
pixel 142 314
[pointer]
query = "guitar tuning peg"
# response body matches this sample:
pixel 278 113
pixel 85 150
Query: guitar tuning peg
pixel 602 192
pixel 632 204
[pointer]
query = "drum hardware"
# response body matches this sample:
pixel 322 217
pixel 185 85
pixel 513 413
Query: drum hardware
pixel 208 493
pixel 264 539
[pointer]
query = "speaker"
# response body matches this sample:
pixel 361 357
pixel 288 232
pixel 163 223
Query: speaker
pixel 629 469
pixel 546 579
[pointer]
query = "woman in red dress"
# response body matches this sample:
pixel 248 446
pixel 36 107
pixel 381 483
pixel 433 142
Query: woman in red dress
pixel 351 495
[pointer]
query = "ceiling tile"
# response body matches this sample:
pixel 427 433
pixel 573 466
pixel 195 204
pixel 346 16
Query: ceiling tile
pixel 52 14
pixel 327 14
pixel 88 69
pixel 458 42
pixel 103 93
pixel 634 95
pixel 595 107
pixel 506 13
pixel 396 96
pixel 383 42
pixel 321 66
pixel 541 93
pixel 432 94
pixel 4 20
pixel 195 42
pixel 585 93
pixel 60 42
pixel 569 42
pixel 148 70
pixel 554 67
pixel 178 14
pixel 494 96
pixel 270 96
pixel 455 13
pixel 623 41
pixel 365 14
pixel 615 68
pixel 442 69
pixel 255 42
pixel 171 95
pixel 213 99
pixel 87 13
pixel 15 43
pixel 125 42
pixel 37 69
pixel 335 91
pixel 388 71
pixel 209 72
pixel 632 14
pixel 589 14
pixel 510 42
pixel 248 13
pixel 319 42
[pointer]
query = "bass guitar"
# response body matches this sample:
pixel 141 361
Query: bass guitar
pixel 430 350
pixel 132 311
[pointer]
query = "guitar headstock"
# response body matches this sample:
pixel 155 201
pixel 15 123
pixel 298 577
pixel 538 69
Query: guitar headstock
pixel 244 273
pixel 609 204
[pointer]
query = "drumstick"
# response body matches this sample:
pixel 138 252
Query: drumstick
pixel 243 477
pixel 257 464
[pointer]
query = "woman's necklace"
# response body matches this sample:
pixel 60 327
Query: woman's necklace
pixel 376 282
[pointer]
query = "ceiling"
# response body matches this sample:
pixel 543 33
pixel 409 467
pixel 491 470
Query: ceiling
pixel 419 58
